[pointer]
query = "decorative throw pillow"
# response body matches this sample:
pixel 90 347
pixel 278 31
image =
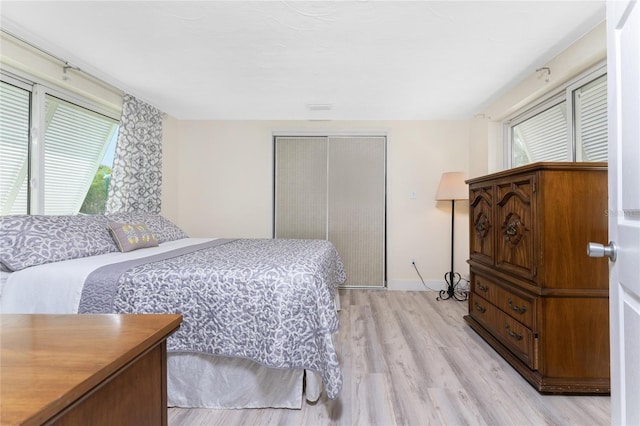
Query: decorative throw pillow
pixel 162 228
pixel 130 237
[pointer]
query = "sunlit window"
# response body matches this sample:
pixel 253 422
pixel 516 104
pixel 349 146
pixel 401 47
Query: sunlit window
pixel 570 126
pixel 543 137
pixel 70 174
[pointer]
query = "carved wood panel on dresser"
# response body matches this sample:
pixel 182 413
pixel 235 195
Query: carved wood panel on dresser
pixel 535 296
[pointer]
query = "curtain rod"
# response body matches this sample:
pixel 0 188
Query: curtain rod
pixel 66 65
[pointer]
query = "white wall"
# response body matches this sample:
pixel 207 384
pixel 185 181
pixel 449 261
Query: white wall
pixel 219 182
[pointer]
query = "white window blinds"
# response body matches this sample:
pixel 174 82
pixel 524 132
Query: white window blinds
pixel 75 142
pixel 590 103
pixel 14 149
pixel 542 137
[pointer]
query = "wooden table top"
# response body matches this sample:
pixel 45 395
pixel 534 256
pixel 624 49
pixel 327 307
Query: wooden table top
pixel 49 361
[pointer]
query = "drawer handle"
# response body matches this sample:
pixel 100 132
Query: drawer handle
pixel 511 333
pixel 519 310
pixel 482 287
pixel 480 308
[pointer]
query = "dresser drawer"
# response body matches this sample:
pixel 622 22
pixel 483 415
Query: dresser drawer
pixel 514 335
pixel 520 308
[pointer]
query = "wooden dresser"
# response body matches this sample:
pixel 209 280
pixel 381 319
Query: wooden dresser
pixel 84 369
pixel 535 295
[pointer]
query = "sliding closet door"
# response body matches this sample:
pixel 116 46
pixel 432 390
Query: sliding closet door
pixel 334 188
pixel 301 188
pixel 356 190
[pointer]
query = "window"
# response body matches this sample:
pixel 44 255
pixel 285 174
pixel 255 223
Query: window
pixel 569 126
pixel 67 173
pixel 590 106
pixel 14 149
pixel 543 137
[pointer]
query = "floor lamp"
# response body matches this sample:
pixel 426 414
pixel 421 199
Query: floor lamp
pixel 452 187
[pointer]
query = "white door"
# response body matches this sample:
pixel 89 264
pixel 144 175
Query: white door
pixel 623 74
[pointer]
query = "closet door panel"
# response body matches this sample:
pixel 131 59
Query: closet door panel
pixel 356 207
pixel 301 187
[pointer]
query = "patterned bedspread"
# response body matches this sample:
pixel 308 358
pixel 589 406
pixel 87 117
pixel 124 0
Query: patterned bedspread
pixel 268 300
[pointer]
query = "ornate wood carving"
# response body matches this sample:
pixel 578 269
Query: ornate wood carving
pixel 482 224
pixel 513 229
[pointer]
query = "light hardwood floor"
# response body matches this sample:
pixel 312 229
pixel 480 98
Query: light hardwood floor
pixel 408 359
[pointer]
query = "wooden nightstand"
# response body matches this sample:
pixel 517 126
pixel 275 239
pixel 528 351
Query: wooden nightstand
pixel 84 369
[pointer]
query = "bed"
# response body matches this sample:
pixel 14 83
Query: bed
pixel 259 315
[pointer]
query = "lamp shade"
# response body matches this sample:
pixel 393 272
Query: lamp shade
pixel 452 187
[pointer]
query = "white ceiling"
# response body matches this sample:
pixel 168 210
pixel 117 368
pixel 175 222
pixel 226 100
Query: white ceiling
pixel 271 59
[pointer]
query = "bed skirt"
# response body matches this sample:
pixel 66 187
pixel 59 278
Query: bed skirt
pixel 204 381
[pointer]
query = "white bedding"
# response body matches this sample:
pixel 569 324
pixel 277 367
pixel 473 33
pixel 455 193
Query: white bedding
pixel 55 288
pixel 194 380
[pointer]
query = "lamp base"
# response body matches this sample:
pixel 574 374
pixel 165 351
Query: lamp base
pixel 452 291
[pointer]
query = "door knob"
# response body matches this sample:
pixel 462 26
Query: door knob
pixel 599 250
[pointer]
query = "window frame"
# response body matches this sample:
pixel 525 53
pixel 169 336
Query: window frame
pixel 39 89
pixel 564 93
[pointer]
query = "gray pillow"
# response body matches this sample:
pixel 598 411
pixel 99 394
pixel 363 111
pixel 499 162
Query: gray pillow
pixel 34 240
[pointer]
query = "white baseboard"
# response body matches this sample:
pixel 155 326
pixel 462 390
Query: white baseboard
pixel 412 285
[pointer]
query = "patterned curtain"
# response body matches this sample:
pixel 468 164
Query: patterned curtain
pixel 136 177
